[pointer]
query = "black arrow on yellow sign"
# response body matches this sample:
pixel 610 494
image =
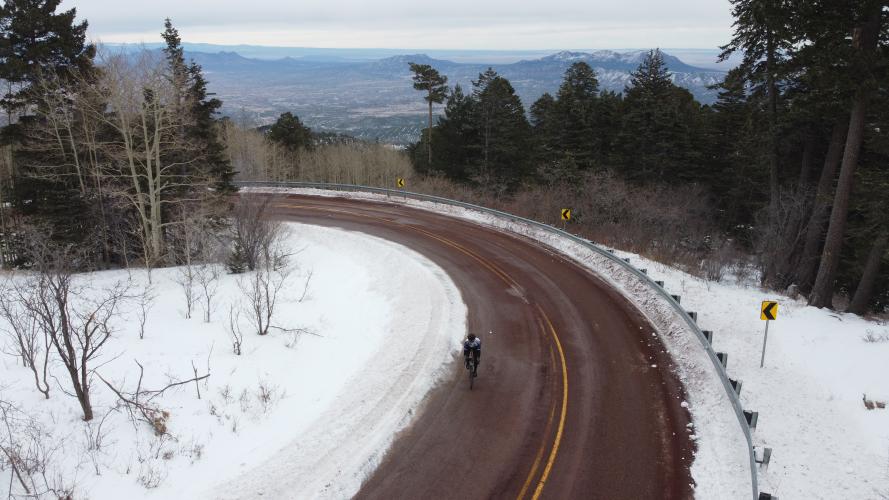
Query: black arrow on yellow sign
pixel 400 182
pixel 566 214
pixel 769 310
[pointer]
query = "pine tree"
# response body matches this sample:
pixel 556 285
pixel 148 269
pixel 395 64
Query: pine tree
pixel 289 131
pixel 661 121
pixel 43 54
pixel 869 17
pixel 547 138
pixel 575 111
pixel 763 34
pixel 458 136
pixel 194 103
pixel 37 39
pixel 427 79
pixel 505 132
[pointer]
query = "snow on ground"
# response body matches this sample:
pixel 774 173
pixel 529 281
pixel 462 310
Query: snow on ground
pixel 384 317
pixel 819 365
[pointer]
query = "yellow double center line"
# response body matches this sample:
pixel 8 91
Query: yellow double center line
pixel 549 329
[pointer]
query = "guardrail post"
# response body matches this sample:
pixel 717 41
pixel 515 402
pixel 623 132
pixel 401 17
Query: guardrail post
pixel 736 385
pixel 693 315
pixel 659 283
pixel 766 496
pixel 723 359
pixel 676 298
pixel 752 417
pixel 708 334
pixel 763 457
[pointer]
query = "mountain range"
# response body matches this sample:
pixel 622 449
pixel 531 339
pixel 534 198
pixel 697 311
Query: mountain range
pixel 375 100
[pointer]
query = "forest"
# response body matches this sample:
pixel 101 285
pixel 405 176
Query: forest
pixel 788 167
pixel 783 179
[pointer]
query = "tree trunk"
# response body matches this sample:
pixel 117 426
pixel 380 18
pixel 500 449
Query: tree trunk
pixel 863 293
pixel 808 161
pixel 808 263
pixel 865 40
pixel 773 127
pixel 822 292
pixel 429 140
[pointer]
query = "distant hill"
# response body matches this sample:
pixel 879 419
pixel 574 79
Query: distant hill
pixel 374 99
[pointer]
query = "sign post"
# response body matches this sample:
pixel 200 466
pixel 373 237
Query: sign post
pixel 768 311
pixel 566 217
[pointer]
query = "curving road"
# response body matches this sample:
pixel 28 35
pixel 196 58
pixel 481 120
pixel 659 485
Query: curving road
pixel 575 396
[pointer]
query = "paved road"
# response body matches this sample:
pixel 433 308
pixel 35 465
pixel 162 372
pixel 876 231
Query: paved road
pixel 575 397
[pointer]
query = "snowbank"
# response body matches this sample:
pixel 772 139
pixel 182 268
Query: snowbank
pixel 818 366
pixel 294 417
pixel 721 467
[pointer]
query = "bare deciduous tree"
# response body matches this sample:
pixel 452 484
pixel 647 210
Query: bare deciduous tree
pixel 253 230
pixel 146 302
pixel 77 320
pixel 28 448
pixel 207 277
pixel 234 329
pixel 261 291
pixel 27 340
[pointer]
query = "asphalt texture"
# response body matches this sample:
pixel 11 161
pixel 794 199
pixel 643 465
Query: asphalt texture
pixel 575 396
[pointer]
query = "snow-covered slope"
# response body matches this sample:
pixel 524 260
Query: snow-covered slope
pixel 283 408
pixel 818 366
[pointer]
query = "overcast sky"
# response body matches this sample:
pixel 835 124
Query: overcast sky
pixel 450 24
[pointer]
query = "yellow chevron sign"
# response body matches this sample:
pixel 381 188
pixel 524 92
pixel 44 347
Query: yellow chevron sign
pixel 769 310
pixel 400 182
pixel 566 214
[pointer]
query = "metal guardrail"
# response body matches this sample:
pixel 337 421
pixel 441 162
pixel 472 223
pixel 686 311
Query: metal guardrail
pixel 679 310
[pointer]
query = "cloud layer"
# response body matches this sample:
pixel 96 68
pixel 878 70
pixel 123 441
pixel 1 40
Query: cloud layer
pixel 457 24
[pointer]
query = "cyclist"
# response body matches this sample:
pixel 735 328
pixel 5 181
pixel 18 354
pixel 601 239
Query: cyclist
pixel 472 344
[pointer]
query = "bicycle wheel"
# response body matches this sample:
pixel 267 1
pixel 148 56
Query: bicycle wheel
pixel 471 370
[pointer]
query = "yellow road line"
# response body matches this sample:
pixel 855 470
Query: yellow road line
pixel 506 278
pixel 561 429
pixel 549 424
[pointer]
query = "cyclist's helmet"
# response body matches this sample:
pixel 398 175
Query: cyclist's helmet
pixel 471 337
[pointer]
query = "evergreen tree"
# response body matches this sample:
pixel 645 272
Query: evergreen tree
pixel 731 174
pixel 763 34
pixel 575 111
pixel 505 132
pixel 870 65
pixel 427 79
pixel 289 131
pixel 43 55
pixel 547 138
pixel 660 123
pixel 36 39
pixel 458 135
pixel 193 102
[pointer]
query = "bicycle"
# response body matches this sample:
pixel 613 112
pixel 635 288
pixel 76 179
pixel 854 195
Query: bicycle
pixel 471 367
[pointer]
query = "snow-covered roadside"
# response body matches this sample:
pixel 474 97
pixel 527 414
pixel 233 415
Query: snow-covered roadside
pixel 721 467
pixel 330 410
pixel 818 366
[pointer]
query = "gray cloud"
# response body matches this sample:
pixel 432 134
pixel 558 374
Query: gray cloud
pixel 458 24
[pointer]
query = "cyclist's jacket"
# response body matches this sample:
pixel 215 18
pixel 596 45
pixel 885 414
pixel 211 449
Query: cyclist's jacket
pixel 472 344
